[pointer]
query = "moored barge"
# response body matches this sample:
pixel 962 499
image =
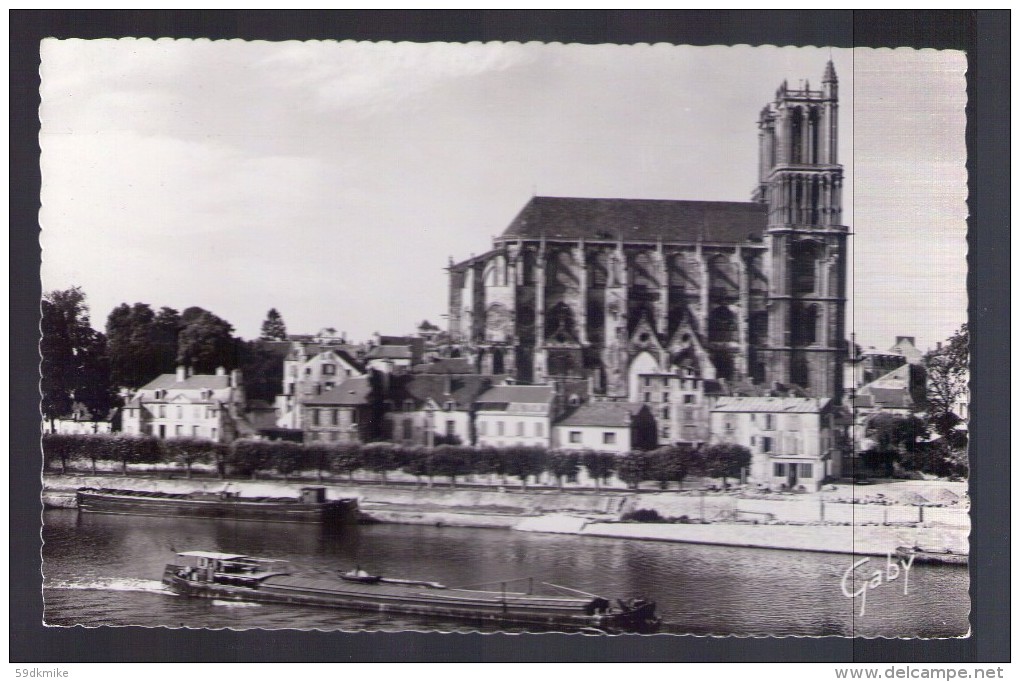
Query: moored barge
pixel 927 556
pixel 310 507
pixel 216 575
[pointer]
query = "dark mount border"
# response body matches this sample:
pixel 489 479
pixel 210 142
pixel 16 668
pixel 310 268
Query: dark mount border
pixel 983 34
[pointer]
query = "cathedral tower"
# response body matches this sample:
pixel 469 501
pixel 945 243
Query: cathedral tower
pixel 801 183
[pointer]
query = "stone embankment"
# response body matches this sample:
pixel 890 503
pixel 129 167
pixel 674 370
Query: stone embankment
pixel 808 523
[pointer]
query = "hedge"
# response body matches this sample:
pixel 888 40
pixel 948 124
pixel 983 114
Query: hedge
pixel 251 457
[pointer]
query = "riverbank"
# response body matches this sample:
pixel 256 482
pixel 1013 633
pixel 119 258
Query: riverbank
pixel 795 523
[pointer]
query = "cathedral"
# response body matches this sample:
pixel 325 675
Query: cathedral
pixel 605 290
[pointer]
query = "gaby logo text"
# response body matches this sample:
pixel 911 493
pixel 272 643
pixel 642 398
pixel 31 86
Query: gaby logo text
pixel 877 578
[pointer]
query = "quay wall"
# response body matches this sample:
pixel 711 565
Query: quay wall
pixel 866 540
pixel 808 509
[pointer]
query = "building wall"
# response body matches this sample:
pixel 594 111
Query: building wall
pixel 332 423
pixel 772 438
pixel 518 428
pixel 73 426
pixel 180 419
pixel 411 428
pixel 592 438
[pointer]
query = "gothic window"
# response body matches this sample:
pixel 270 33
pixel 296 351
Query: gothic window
pixel 722 325
pixel 643 272
pixel 813 133
pixel 560 272
pixel 796 135
pixel 799 373
pixel 495 272
pixel 759 327
pixel 723 280
pixel 497 323
pixel 560 323
pixel 598 270
pixel 804 267
pixel 804 330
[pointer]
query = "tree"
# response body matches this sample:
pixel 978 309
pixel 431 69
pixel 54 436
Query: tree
pixel 524 461
pixel 896 433
pixel 491 461
pixel 948 370
pixel 130 331
pixel 273 328
pixel 287 457
pixel 250 456
pixel 380 458
pixel 725 460
pixel 74 363
pixel 418 463
pixel 563 463
pixel 165 328
pixel 600 466
pixel 131 449
pixel 346 458
pixel 261 364
pixel 317 456
pixel 187 451
pixel 57 447
pixel 206 342
pixel 632 468
pixel 672 463
pixel 451 461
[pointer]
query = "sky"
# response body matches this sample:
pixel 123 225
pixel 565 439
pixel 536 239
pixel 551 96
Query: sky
pixel 333 181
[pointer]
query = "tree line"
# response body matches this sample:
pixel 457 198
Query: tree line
pixel 247 457
pixel 82 365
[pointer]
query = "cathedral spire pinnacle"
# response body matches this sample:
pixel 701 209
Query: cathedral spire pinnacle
pixel 830 73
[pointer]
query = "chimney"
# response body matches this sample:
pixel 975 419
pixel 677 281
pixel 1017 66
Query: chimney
pixel 182 373
pixel 901 339
pixel 235 378
pixel 447 384
pixel 220 371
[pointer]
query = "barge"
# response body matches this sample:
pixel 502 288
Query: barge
pixel 310 507
pixel 927 556
pixel 216 575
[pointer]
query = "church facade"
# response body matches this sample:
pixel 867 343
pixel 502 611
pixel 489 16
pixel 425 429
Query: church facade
pixel 613 290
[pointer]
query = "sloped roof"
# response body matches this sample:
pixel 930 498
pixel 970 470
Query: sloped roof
pixel 353 391
pixel 602 414
pixel 517 394
pixel 892 397
pixel 639 220
pixel 445 366
pixel 864 400
pixel 195 381
pixel 462 390
pixel 389 353
pixel 770 404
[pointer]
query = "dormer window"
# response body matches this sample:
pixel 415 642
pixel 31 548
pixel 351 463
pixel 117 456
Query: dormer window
pixel 448 406
pixel 408 406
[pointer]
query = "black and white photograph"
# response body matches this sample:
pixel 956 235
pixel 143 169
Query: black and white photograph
pixel 500 337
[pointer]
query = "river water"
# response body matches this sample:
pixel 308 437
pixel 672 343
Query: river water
pixel 105 570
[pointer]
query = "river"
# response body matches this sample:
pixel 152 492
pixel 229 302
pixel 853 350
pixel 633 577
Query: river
pixel 105 570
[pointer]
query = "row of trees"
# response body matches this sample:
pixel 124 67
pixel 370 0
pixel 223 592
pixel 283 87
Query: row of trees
pixel 80 364
pixel 250 457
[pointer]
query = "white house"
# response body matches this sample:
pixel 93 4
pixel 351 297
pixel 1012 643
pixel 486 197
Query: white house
pixel 185 405
pixel 606 427
pixel 793 441
pixel 515 415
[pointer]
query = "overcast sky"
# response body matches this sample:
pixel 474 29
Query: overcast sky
pixel 333 181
